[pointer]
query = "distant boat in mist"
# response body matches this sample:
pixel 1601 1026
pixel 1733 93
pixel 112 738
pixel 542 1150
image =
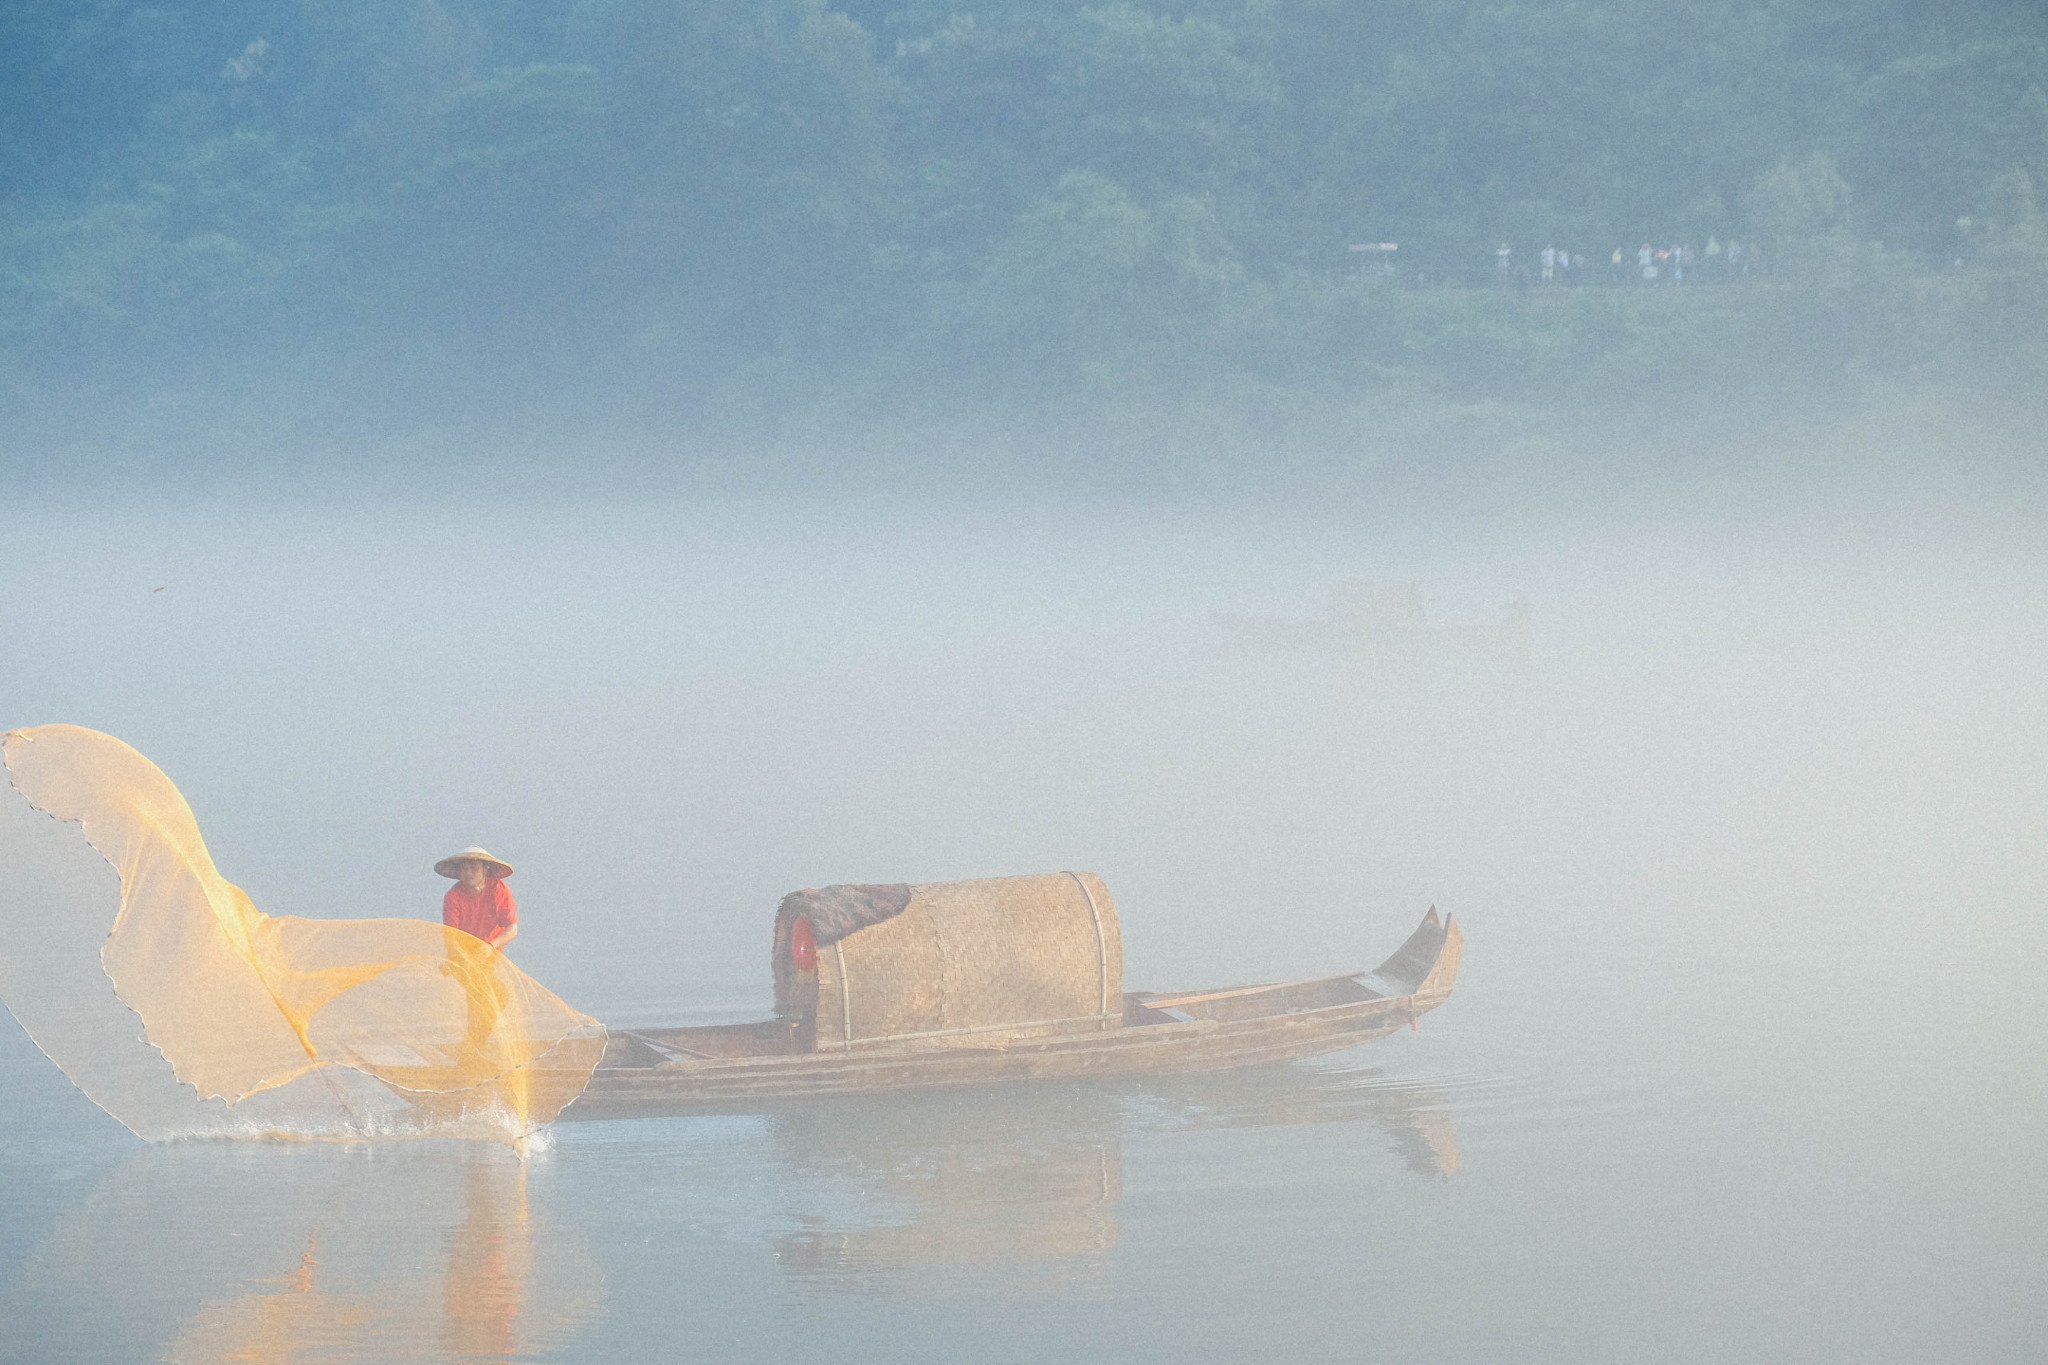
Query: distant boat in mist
pixel 1381 620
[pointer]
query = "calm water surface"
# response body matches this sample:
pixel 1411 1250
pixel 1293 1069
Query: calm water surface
pixel 1748 846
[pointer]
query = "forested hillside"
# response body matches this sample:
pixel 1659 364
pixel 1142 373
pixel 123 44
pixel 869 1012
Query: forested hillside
pixel 1014 200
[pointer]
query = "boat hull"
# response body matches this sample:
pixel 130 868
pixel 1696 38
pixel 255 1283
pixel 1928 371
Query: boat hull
pixel 1202 1031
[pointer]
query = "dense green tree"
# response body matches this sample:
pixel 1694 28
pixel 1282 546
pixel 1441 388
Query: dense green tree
pixel 1027 193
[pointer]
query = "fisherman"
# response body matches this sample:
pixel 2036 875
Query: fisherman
pixel 479 904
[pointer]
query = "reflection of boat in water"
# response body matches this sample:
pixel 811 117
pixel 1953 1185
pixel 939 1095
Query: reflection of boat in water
pixel 1015 978
pixel 1033 1174
pixel 1382 621
pixel 1014 1175
pixel 1414 1116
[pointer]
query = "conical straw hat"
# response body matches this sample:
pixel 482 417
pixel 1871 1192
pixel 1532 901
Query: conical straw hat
pixel 446 867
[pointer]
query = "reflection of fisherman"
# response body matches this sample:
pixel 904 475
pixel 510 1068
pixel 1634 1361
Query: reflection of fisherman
pixel 480 905
pixel 490 1261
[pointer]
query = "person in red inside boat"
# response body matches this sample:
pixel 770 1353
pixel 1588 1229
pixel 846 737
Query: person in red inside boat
pixel 803 955
pixel 479 904
pixel 803 946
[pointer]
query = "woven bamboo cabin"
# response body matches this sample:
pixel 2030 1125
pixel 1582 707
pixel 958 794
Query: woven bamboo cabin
pixel 1012 955
pixel 1011 978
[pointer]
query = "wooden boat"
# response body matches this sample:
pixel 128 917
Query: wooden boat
pixel 739 1067
pixel 1381 621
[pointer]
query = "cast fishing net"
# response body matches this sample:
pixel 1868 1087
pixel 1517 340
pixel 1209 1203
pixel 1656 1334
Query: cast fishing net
pixel 185 1011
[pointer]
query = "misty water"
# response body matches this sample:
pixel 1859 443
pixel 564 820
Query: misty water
pixel 1745 833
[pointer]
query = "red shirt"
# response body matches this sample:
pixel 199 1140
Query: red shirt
pixel 803 945
pixel 485 914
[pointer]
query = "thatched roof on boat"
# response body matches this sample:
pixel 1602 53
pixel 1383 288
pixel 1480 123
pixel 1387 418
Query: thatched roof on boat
pixel 946 958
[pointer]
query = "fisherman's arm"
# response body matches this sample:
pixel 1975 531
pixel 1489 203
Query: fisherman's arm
pixel 507 913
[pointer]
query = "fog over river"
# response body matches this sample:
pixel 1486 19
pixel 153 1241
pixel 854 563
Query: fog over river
pixel 1739 791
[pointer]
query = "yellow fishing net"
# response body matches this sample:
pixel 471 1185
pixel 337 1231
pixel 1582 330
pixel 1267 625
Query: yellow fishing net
pixel 183 1010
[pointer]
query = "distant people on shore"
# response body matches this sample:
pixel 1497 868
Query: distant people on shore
pixel 1556 267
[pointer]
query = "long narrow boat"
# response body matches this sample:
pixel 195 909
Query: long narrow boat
pixel 978 982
